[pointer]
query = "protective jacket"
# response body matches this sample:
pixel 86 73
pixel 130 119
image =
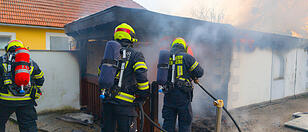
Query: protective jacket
pixel 134 83
pixel 186 69
pixel 36 80
pixel 177 101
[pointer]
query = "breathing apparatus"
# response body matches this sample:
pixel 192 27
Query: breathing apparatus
pixel 170 85
pixel 162 72
pixel 124 36
pixel 17 63
pixel 115 58
pixel 118 64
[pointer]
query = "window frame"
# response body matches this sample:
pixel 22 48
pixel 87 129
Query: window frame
pixel 12 35
pixel 50 34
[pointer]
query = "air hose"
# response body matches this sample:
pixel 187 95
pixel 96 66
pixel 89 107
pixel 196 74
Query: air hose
pixel 146 116
pixel 237 126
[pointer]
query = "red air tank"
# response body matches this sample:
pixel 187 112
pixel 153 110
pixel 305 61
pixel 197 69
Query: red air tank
pixel 22 69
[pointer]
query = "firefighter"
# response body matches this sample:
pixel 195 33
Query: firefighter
pixel 179 90
pixel 11 100
pixel 119 105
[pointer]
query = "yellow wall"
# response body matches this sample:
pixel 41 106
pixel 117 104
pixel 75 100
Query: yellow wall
pixel 34 38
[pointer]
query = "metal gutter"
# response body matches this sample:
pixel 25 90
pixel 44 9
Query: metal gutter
pixel 30 26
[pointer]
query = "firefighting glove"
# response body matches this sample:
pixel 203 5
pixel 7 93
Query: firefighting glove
pixel 35 93
pixel 38 93
pixel 196 81
pixel 140 100
pixel 143 94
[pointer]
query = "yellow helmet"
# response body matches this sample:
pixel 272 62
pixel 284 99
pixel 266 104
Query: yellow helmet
pixel 180 41
pixel 13 43
pixel 125 31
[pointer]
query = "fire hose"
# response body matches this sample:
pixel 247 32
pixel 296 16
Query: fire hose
pixel 141 116
pixel 237 126
pixel 146 116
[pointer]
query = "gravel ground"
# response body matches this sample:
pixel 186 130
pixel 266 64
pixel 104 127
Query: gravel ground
pixel 264 117
pixel 50 123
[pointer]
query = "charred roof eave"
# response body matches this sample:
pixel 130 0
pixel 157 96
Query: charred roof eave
pixel 146 23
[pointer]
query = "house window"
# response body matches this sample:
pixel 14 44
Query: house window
pixel 59 41
pixel 5 37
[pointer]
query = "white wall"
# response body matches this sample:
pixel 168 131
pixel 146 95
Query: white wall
pixel 289 77
pixel 301 72
pixel 62 80
pixel 250 78
pixel 261 75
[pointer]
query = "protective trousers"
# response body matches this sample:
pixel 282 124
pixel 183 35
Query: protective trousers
pixel 26 117
pixel 184 114
pixel 114 115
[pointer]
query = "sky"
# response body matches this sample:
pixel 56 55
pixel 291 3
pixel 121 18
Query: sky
pixel 288 17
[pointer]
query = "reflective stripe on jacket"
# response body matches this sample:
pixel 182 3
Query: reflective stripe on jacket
pixel 135 80
pixel 186 67
pixel 36 79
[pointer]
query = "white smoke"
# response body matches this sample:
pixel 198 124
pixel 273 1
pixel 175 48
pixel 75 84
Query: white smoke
pixel 282 17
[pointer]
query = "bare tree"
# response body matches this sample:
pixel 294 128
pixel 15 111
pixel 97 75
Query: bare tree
pixel 208 14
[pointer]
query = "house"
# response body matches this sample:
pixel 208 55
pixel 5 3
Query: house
pixel 39 24
pixel 241 67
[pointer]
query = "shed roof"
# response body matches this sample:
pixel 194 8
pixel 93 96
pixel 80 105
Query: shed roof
pixel 146 24
pixel 151 25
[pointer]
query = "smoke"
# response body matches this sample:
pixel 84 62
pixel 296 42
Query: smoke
pixel 282 17
pixel 213 44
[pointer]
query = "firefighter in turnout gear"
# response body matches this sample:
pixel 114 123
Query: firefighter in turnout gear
pixel 179 89
pixel 19 87
pixel 130 83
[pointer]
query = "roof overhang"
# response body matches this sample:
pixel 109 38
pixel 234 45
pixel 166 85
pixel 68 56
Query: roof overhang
pixel 147 24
